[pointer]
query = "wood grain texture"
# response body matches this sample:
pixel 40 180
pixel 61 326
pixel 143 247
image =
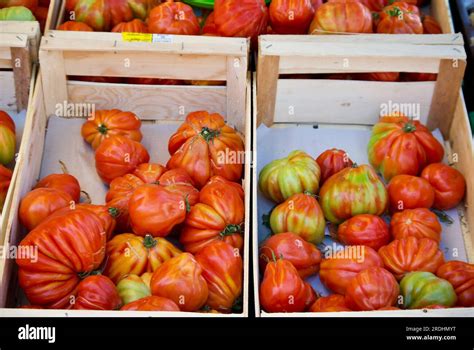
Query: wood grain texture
pixel 267 77
pixel 22 74
pixel 236 83
pixel 53 79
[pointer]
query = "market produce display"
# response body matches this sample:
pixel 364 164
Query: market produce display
pixel 25 10
pixel 7 153
pixel 382 217
pixel 158 243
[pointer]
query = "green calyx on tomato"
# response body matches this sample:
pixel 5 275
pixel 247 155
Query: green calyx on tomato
pixel 114 212
pixel 409 127
pixel 231 229
pixel 83 275
pixel 209 134
pixel 102 129
pixel 149 242
pixel 442 216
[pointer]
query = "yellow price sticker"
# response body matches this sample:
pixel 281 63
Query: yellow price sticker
pixel 137 37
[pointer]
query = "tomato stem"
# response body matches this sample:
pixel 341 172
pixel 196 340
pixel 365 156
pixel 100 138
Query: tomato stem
pixel 209 134
pixel 102 129
pixel 149 242
pixel 114 212
pixel 409 127
pixel 188 205
pixel 231 229
pixel 442 216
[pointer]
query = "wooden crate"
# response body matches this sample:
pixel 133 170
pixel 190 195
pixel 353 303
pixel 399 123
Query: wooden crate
pixel 355 104
pixel 184 58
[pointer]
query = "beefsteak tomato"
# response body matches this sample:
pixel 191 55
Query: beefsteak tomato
pixel 352 191
pixel 400 18
pixel 332 161
pixel 117 156
pixel 151 303
pixel 181 280
pixel 430 25
pixel 5 179
pixel 283 290
pixel 338 268
pixel 402 146
pixel 290 16
pixel 131 254
pixel 409 192
pixel 106 123
pixel 219 215
pixel 448 184
pixel 62 182
pixel 204 145
pixel 304 256
pixel 134 26
pixel 411 254
pixel 372 289
pixel 461 275
pixel 7 138
pixel 364 229
pixel 282 178
pixel 75 26
pixel 97 293
pixel 419 223
pixel 300 214
pixel 150 173
pixel 132 288
pixel 331 303
pixel 173 18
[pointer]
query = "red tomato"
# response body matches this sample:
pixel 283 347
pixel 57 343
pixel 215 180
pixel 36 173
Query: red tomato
pixel 219 215
pixel 173 18
pixel 67 246
pixel 222 269
pixel 419 223
pixel 400 18
pixel 62 182
pixel 332 161
pixel 290 16
pixel 201 145
pixel 420 76
pixel 106 123
pixel 372 289
pixel 411 254
pixel 180 279
pixel 5 179
pixel 75 26
pixel 375 5
pixel 431 25
pixel 7 138
pixel 364 229
pixel 97 293
pixel 151 303
pixel 156 210
pixel 209 27
pixel 117 156
pixel 149 173
pixel 448 183
pixel 131 254
pixel 331 303
pixel 178 181
pixel 304 256
pixel 409 192
pixel 338 269
pixel 40 203
pixel 30 4
pixel 380 76
pixel 461 275
pixel 134 26
pixel 283 290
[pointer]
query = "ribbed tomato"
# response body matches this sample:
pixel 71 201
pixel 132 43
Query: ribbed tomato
pixel 419 223
pixel 409 192
pixel 300 214
pixel 156 210
pixel 204 145
pixel 331 303
pixel 131 288
pixel 282 178
pixel 134 26
pixel 448 183
pixel 304 256
pixel 63 182
pixel 40 203
pixel 430 25
pixel 30 4
pixel 209 27
pixel 222 269
pixel 364 229
pixel 241 18
pixel 352 191
pixel 283 290
pixel 75 26
pixel 67 246
pixel 106 123
pixel 118 155
pixel 173 18
pixel 372 289
pixel 337 269
pixel 7 138
pixel 219 215
pixel 181 280
pixel 96 293
pixel 402 146
pixel 149 173
pixel 461 275
pixel 131 254
pixel 332 161
pixel 411 254
pixel 291 16
pixel 151 303
pixel 400 18
pixel 5 179
pixel 375 5
pixel 178 181
pixel 340 16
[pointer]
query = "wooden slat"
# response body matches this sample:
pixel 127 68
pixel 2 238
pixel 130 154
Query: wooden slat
pixel 150 102
pixel 53 79
pixel 267 78
pixel 236 83
pixel 30 29
pixel 446 94
pixel 441 11
pixel 13 40
pixel 345 102
pixel 151 65
pixel 22 66
pixel 6 63
pixel 7 92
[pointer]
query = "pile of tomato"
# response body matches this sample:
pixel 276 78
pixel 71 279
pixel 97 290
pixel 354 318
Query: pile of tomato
pixel 385 217
pixel 7 153
pixel 168 238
